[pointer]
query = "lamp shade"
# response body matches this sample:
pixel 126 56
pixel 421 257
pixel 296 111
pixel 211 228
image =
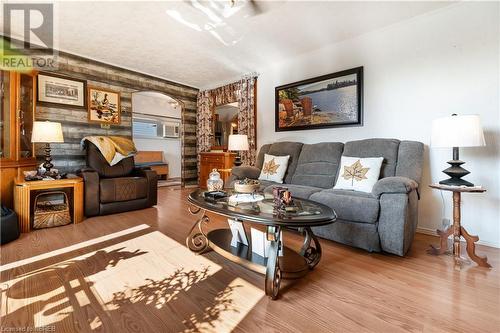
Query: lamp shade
pixel 238 142
pixel 46 132
pixel 457 131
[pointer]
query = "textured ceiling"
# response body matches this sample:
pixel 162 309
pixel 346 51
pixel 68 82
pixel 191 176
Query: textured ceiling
pixel 143 36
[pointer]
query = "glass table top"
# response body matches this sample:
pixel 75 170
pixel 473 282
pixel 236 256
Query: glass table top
pixel 306 213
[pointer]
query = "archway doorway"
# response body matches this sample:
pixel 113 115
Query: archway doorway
pixel 157 134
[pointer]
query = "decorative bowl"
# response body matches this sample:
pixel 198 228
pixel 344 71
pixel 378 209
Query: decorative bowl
pixel 246 188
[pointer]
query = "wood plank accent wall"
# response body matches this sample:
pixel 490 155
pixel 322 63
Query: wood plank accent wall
pixel 69 157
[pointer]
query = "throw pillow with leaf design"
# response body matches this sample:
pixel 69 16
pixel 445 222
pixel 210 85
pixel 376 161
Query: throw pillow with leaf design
pixel 358 174
pixel 274 168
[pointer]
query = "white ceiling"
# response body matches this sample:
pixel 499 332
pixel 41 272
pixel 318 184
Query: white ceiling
pixel 143 37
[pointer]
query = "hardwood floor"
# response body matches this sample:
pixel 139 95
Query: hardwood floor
pixel 131 272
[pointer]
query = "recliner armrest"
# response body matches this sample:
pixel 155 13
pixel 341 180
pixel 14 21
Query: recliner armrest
pixel 394 185
pixel 91 191
pixel 152 178
pixel 245 171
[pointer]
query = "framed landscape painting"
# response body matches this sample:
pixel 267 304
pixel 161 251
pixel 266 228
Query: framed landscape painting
pixel 104 106
pixel 333 100
pixel 55 89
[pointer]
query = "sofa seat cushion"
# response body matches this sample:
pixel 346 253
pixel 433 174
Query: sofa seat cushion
pixel 298 191
pixel 122 189
pixel 350 205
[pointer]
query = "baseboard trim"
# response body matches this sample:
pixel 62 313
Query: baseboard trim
pixel 432 232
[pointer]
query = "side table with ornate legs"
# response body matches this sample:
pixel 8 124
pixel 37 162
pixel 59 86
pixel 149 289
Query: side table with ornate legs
pixel 458 231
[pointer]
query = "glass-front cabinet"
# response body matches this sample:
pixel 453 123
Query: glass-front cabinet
pixel 7 146
pixel 17 110
pixel 25 114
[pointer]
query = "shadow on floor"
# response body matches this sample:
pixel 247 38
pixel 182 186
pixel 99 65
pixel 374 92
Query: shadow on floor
pixel 62 298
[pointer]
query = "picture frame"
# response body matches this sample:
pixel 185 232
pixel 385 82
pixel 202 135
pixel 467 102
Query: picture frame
pixel 103 106
pixel 60 90
pixel 332 100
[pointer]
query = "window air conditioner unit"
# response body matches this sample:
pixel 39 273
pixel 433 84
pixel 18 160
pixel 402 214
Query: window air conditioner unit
pixel 171 129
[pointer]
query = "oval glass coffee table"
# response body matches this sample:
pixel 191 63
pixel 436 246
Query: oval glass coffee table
pixel 289 265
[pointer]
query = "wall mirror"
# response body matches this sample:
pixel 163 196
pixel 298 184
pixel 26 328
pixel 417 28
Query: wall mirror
pixel 225 122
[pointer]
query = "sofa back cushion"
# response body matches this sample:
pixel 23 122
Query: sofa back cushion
pixel 410 160
pixel 260 156
pixel 386 148
pixel 96 161
pixel 318 164
pixel 282 149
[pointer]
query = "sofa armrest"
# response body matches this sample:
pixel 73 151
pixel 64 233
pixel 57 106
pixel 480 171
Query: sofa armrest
pixel 398 221
pixel 245 171
pixel 394 185
pixel 152 179
pixel 91 191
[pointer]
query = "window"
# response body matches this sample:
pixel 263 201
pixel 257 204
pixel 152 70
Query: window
pixel 152 127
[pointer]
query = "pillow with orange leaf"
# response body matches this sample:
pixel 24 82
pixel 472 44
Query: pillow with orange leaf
pixel 274 168
pixel 358 174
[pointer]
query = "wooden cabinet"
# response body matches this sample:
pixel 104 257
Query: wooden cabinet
pixel 17 110
pixel 223 162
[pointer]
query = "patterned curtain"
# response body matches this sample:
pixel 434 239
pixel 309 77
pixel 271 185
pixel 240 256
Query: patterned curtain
pixel 226 94
pixel 205 104
pixel 246 117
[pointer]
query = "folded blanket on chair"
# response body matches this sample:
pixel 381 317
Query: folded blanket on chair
pixel 113 148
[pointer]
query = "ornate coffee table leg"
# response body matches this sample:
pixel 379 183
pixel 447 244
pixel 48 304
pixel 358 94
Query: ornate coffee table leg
pixel 273 272
pixel 312 254
pixel 471 249
pixel 197 240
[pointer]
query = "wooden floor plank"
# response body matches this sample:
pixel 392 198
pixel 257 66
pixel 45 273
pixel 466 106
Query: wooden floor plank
pixel 145 280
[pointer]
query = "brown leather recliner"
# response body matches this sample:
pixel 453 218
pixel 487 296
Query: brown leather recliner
pixel 118 188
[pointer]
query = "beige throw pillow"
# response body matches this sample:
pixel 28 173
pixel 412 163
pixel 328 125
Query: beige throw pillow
pixel 358 174
pixel 274 168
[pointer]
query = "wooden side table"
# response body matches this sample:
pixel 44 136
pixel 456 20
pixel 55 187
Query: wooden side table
pixel 23 203
pixel 458 231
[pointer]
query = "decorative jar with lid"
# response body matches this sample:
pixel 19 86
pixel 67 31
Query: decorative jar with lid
pixel 214 182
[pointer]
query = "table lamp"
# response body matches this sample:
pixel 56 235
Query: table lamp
pixel 47 132
pixel 457 131
pixel 237 142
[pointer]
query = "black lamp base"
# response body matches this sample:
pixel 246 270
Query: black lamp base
pixel 237 160
pixel 48 159
pixel 456 172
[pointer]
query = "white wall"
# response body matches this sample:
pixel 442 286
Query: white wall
pixel 157 104
pixel 433 65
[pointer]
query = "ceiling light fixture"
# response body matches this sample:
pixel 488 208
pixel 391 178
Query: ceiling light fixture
pixel 217 12
pixel 178 17
pixel 207 11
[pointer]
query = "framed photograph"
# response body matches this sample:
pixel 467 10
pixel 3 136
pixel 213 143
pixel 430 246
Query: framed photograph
pixel 333 100
pixel 55 89
pixel 104 106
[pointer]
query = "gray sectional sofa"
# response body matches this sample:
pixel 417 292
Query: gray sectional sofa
pixel 384 220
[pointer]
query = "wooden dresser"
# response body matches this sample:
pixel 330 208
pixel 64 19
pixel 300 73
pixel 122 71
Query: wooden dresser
pixel 212 160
